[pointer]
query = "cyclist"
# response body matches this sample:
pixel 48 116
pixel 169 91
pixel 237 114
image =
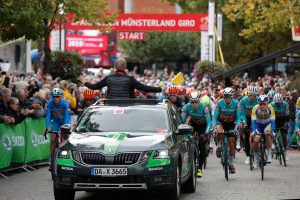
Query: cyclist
pixel 182 94
pixel 263 121
pixel 211 107
pixel 297 126
pixel 282 117
pixel 172 94
pixel 197 115
pixel 271 95
pixel 58 111
pixel 246 105
pixel 226 118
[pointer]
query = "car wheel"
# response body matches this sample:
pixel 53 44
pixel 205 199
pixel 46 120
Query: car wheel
pixel 191 184
pixel 63 194
pixel 174 193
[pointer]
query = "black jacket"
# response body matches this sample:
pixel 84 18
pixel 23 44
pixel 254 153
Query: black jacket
pixel 120 85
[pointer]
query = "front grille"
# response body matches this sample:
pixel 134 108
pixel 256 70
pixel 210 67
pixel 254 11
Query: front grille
pixel 119 159
pixel 93 158
pixel 126 158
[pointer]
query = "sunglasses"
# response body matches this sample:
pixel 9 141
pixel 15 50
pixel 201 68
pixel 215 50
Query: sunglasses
pixel 172 95
pixel 55 97
pixel 194 102
pixel 263 104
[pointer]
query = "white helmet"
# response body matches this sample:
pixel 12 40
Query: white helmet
pixel 263 98
pixel 228 91
pixel 194 96
pixel 277 98
pixel 252 90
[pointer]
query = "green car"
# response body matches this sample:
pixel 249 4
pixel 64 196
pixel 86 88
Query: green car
pixel 127 145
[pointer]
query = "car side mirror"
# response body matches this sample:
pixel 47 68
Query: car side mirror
pixel 185 129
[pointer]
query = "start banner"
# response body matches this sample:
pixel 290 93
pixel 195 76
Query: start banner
pixel 148 22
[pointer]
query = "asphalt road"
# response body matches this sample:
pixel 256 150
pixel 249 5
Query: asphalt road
pixel 280 183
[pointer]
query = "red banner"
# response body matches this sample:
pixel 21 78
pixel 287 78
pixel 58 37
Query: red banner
pixel 78 42
pixel 135 36
pixel 149 22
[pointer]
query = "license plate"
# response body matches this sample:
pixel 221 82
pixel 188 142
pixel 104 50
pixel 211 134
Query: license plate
pixel 109 171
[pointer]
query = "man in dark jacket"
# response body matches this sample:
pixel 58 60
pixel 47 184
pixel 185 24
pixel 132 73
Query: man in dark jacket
pixel 119 85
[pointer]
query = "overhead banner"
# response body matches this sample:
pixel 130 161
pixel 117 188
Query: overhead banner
pixel 134 36
pixel 149 22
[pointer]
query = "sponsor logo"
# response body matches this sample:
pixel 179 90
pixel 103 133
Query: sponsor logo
pixel 6 142
pixel 37 139
pixel 155 169
pixel 67 168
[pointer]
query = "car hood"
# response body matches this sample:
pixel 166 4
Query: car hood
pixel 112 143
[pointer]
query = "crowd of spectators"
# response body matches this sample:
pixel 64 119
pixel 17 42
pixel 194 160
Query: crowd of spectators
pixel 27 95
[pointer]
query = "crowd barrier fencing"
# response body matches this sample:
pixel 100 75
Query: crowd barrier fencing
pixel 23 146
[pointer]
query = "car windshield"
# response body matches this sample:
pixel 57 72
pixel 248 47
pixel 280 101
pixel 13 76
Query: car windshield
pixel 125 119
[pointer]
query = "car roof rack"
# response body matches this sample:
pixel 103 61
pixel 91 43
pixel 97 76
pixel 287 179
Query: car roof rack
pixel 129 101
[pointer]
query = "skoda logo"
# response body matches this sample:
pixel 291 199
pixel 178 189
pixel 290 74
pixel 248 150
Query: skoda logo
pixel 34 139
pixel 6 142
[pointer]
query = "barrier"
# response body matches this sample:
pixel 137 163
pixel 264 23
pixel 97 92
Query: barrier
pixel 23 145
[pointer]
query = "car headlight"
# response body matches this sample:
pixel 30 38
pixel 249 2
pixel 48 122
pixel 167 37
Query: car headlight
pixel 145 156
pixel 63 154
pixel 161 154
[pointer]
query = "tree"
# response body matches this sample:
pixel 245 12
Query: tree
pixel 239 48
pixel 35 19
pixel 67 65
pixel 160 46
pixel 263 16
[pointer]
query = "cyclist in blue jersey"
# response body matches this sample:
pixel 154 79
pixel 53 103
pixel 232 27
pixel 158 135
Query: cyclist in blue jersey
pixel 227 118
pixel 263 121
pixel 246 105
pixel 58 112
pixel 282 117
pixel 197 115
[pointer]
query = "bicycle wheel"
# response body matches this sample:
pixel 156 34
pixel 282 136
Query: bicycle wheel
pixel 251 157
pixel 281 154
pixel 226 158
pixel 262 160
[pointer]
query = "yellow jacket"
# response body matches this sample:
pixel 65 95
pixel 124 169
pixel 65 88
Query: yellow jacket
pixel 68 96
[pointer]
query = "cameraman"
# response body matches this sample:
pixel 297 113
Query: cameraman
pixel 119 85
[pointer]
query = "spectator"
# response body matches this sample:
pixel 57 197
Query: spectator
pixel 14 111
pixel 119 84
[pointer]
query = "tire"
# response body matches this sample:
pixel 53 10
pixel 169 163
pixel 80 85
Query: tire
pixel 174 193
pixel 262 160
pixel 225 161
pixel 63 194
pixel 282 155
pixel 190 185
pixel 251 160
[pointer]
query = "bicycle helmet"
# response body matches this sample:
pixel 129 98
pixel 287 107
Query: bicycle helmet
pixel 277 98
pixel 228 92
pixel 88 93
pixel 194 96
pixel 56 92
pixel 263 99
pixel 182 90
pixel 206 100
pixel 172 90
pixel 271 94
pixel 190 91
pixel 252 90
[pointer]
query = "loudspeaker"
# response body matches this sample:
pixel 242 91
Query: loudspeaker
pixel 17 53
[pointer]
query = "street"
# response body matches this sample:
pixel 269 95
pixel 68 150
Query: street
pixel 280 183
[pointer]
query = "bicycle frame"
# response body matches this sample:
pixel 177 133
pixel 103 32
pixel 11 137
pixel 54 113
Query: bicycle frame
pixel 225 157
